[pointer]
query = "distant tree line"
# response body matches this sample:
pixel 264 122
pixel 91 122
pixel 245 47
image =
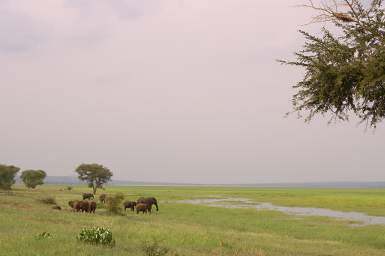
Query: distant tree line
pixel 95 175
pixel 30 178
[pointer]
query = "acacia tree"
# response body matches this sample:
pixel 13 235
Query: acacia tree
pixel 33 178
pixel 344 69
pixel 95 175
pixel 7 176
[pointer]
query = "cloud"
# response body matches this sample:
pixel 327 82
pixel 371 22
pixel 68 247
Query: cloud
pixel 26 26
pixel 120 8
pixel 19 33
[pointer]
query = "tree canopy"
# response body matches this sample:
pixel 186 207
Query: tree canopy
pixel 95 175
pixel 344 69
pixel 7 176
pixel 33 178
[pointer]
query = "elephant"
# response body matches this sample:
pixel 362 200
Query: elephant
pixel 149 201
pixel 144 208
pixel 92 207
pixel 83 206
pixel 73 203
pixel 129 204
pixel 88 196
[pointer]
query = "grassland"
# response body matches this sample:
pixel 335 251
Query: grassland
pixel 193 229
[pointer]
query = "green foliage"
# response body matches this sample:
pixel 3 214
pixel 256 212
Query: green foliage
pixel 48 200
pixel 33 178
pixel 96 235
pixel 95 175
pixel 114 203
pixel 69 188
pixel 44 235
pixel 102 198
pixel 345 71
pixel 154 248
pixel 7 176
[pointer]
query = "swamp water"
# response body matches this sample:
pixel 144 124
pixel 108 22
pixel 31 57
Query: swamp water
pixel 362 218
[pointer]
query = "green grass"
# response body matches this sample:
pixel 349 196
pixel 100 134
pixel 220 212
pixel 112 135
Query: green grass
pixel 194 229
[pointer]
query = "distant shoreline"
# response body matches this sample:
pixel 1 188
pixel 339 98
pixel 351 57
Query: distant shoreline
pixel 71 180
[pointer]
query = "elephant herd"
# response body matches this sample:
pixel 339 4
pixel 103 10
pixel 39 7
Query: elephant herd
pixel 143 204
pixel 83 206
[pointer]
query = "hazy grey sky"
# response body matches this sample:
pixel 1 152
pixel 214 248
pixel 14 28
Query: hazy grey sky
pixel 167 90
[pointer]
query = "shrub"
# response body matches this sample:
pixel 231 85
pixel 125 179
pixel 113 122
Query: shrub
pixel 113 203
pixel 69 188
pixel 48 200
pixel 96 235
pixel 56 207
pixel 154 248
pixel 102 198
pixel 43 235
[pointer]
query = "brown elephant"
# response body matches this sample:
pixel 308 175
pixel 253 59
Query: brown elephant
pixel 88 196
pixel 129 204
pixel 72 204
pixel 144 208
pixel 78 206
pixel 149 201
pixel 82 206
pixel 92 207
pixel 85 206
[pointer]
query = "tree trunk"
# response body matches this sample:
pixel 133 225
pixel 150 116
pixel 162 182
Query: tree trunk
pixel 94 189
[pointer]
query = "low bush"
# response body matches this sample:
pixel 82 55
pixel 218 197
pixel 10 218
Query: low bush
pixel 114 203
pixel 102 198
pixel 96 235
pixel 154 248
pixel 43 235
pixel 56 207
pixel 69 188
pixel 48 200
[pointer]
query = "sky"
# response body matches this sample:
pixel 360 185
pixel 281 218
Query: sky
pixel 168 91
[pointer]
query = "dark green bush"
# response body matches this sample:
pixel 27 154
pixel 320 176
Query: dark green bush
pixel 113 203
pixel 96 235
pixel 48 200
pixel 69 188
pixel 154 248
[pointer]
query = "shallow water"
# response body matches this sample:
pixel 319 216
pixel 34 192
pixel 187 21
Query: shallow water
pixel 362 218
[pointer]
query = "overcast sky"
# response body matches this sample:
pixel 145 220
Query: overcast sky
pixel 167 90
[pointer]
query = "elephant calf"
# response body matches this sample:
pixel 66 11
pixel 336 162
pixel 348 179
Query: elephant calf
pixel 144 208
pixel 129 204
pixel 149 201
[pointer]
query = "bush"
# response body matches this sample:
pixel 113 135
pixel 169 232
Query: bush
pixel 113 203
pixel 43 235
pixel 154 248
pixel 96 235
pixel 102 198
pixel 69 188
pixel 48 200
